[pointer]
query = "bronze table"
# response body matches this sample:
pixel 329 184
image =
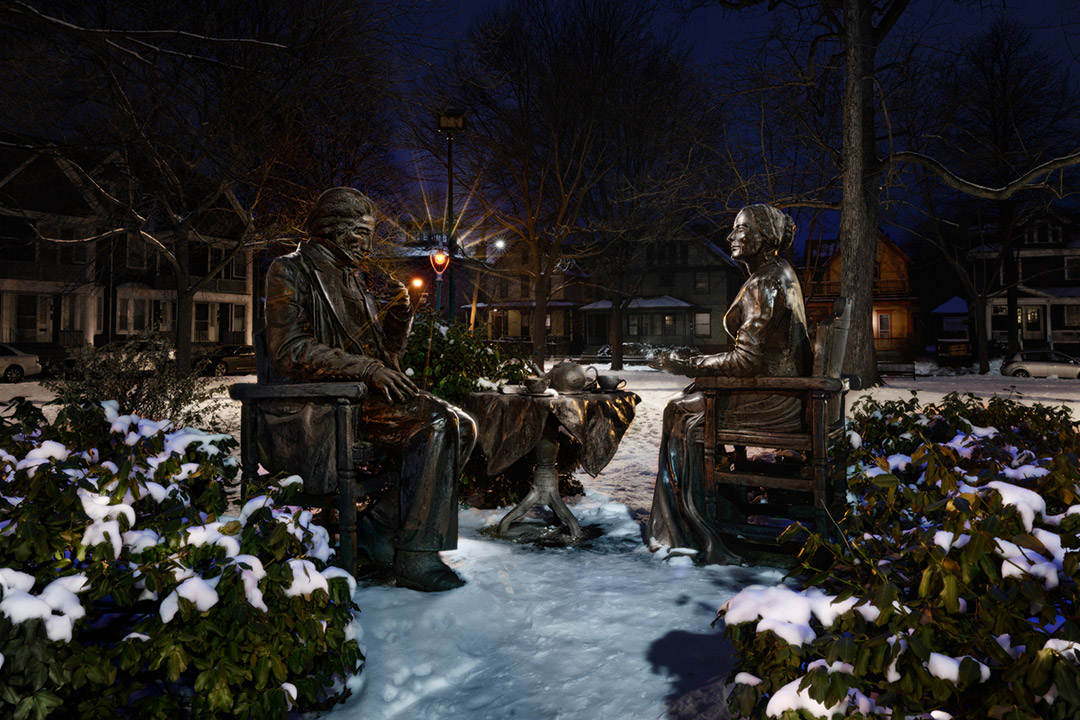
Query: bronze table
pixel 511 426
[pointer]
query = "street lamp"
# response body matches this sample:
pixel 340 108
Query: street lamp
pixel 450 122
pixel 440 261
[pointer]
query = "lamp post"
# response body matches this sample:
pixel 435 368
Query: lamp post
pixel 440 260
pixel 450 122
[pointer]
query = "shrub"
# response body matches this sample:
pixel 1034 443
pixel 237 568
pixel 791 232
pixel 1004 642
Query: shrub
pixel 953 587
pixel 451 361
pixel 142 376
pixel 125 591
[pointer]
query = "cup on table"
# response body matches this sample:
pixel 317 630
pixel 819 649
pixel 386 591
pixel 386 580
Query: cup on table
pixel 610 383
pixel 535 385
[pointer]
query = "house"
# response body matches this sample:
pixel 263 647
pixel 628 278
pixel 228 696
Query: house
pixel 1048 271
pixel 686 287
pixel 953 332
pixel 897 327
pixel 56 297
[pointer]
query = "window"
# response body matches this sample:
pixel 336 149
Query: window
pixel 633 324
pixel 523 287
pixel 202 322
pixel 1042 234
pixel 164 314
pixel 137 254
pixel 239 266
pixel 703 324
pixel 1072 315
pixel 70 314
pixel 884 325
pixel 138 320
pixel 1072 268
pixel 669 324
pixel 502 288
pixel 1001 310
pixel 123 307
pixel 239 313
pixel 701 282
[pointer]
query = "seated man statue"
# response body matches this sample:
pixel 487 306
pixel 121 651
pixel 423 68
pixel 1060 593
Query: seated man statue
pixel 324 322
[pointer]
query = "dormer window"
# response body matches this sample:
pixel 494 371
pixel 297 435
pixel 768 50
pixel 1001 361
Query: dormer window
pixel 1042 234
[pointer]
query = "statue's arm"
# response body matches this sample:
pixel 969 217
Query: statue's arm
pixel 294 350
pixel 747 358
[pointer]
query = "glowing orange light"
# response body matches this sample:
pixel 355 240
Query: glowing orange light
pixel 439 261
pixel 418 283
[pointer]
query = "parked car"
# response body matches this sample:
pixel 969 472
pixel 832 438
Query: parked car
pixel 1041 363
pixel 16 364
pixel 229 359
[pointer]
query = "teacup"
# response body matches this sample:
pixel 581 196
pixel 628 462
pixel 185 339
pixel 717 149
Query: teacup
pixel 610 383
pixel 535 385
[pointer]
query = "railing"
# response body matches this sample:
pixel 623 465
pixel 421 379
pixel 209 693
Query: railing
pixel 883 286
pixel 895 345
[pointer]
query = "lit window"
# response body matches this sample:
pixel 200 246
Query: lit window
pixel 669 324
pixel 703 324
pixel 884 325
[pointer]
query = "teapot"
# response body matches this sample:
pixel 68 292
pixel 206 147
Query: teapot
pixel 568 376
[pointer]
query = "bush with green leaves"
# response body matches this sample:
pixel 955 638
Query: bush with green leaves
pixel 953 587
pixel 451 361
pixel 143 377
pixel 126 591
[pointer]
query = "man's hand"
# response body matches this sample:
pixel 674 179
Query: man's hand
pixel 396 386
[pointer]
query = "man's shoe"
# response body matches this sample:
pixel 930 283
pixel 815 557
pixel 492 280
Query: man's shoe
pixel 424 571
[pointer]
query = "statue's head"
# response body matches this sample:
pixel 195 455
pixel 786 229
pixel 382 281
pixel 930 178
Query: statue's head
pixel 344 217
pixel 760 230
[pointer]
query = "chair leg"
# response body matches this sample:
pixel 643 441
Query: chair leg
pixel 346 491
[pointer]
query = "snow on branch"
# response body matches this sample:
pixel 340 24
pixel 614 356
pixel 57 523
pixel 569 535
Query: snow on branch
pixel 965 186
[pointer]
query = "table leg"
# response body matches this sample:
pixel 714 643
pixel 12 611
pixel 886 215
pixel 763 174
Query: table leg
pixel 545 488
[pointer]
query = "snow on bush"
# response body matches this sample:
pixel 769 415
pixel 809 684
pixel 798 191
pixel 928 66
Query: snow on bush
pixel 950 589
pixel 125 591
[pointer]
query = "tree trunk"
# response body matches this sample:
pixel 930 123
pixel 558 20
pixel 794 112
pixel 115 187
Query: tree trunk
pixel 981 334
pixel 185 300
pixel 617 313
pixel 539 318
pixel 859 207
pixel 1011 270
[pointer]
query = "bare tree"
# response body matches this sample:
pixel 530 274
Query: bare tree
pixel 851 33
pixel 538 80
pixel 202 110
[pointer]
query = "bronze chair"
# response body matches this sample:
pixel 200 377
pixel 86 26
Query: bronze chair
pixel 749 495
pixel 268 436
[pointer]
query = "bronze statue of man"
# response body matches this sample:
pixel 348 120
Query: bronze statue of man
pixel 324 322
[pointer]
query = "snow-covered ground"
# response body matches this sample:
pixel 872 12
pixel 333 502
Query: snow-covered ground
pixel 601 630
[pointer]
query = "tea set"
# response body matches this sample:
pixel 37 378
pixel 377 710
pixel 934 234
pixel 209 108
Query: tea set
pixel 569 378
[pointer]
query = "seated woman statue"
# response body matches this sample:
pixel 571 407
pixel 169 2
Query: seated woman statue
pixel 767 322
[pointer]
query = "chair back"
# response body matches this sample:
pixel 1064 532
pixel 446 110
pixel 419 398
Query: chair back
pixel 264 371
pixel 830 340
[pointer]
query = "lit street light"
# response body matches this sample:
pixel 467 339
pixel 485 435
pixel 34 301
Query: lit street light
pixel 440 261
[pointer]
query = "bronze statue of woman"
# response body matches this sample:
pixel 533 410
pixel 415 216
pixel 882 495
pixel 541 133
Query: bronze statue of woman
pixel 767 322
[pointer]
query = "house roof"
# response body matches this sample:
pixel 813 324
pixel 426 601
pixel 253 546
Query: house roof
pixel 955 305
pixel 663 302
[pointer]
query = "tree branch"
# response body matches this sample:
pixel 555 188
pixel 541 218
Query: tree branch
pixel 974 189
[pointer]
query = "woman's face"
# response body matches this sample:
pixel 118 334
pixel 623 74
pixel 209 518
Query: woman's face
pixel 745 239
